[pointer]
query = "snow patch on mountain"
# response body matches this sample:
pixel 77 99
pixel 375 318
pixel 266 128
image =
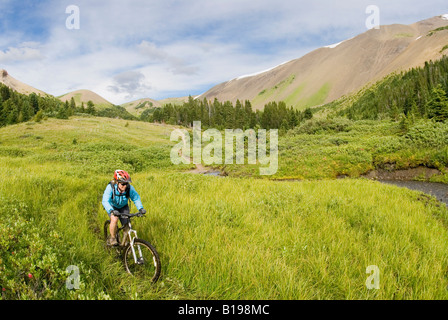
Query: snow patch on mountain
pixel 331 46
pixel 257 73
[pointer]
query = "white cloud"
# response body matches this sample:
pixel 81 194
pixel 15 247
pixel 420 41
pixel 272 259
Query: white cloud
pixel 175 64
pixel 26 51
pixel 131 83
pixel 154 48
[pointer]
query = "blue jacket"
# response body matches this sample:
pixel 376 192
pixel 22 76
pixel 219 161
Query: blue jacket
pixel 120 200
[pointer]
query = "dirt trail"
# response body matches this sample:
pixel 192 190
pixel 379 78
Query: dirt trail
pixel 200 169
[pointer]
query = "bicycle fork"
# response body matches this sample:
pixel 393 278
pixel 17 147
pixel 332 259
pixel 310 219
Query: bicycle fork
pixel 132 234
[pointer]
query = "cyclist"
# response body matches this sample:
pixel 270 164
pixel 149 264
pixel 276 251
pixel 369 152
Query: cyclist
pixel 116 200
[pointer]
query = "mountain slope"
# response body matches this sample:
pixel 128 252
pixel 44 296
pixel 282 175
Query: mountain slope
pixel 328 73
pixel 138 106
pixel 84 96
pixel 18 86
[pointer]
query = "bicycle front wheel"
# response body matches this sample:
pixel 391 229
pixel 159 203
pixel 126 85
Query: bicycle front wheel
pixel 142 260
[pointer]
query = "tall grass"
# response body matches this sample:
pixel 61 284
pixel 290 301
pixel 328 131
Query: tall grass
pixel 240 239
pixel 218 238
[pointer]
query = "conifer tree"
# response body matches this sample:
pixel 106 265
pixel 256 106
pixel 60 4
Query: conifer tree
pixel 63 111
pixel 34 102
pixel 72 108
pixel 4 92
pixel 10 111
pixel 292 118
pixel 308 114
pixel 438 105
pixel 27 111
pixel 90 107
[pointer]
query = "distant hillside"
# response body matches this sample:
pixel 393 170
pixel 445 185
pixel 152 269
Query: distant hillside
pixel 138 106
pixel 81 96
pixel 409 94
pixel 16 107
pixel 330 72
pixel 177 101
pixel 18 86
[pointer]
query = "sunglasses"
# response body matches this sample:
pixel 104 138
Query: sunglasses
pixel 123 184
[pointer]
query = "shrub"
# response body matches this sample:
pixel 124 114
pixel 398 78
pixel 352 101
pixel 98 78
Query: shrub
pixel 30 264
pixel 429 134
pixel 316 126
pixel 12 152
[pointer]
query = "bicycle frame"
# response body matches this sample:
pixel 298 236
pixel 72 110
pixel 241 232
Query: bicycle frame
pixel 130 234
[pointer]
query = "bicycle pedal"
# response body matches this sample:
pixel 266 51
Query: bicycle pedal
pixel 112 245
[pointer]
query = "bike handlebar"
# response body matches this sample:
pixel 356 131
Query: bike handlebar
pixel 129 215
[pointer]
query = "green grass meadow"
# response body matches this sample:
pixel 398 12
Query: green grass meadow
pixel 332 148
pixel 218 238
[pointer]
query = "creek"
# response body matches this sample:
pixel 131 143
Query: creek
pixel 438 190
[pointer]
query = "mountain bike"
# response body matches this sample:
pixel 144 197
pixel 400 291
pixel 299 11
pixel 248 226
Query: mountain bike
pixel 140 258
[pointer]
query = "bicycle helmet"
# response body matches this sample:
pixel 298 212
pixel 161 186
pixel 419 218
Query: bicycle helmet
pixel 122 176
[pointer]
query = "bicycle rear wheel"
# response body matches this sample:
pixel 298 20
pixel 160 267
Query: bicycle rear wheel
pixel 146 262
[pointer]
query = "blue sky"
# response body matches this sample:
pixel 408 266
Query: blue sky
pixel 125 50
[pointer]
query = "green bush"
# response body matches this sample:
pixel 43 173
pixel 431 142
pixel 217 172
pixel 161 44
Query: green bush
pixel 429 134
pixel 30 263
pixel 145 158
pixel 387 144
pixel 316 126
pixel 12 152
